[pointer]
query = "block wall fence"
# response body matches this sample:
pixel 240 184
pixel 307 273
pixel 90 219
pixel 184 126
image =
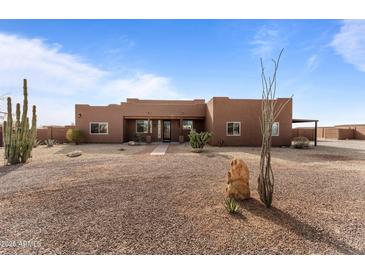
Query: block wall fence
pixel 340 132
pixel 57 133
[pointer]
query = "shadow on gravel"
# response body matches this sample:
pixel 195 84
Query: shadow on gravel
pixel 297 226
pixel 89 149
pixel 213 155
pixel 7 169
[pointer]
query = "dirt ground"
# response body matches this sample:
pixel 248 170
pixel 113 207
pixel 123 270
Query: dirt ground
pixel 112 201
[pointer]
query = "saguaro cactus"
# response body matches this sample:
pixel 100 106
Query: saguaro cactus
pixel 19 138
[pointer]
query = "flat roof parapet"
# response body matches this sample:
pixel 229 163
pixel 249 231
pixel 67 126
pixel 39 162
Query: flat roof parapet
pixel 162 102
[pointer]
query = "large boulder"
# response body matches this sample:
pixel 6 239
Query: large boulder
pixel 238 180
pixel 75 153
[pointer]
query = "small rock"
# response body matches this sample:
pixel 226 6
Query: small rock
pixel 131 143
pixel 75 153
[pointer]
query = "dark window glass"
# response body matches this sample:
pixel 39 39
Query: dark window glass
pixel 187 124
pixel 103 128
pixel 142 126
pixel 94 128
pixel 233 129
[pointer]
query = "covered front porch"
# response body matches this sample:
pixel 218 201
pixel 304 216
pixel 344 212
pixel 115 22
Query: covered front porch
pixel 160 129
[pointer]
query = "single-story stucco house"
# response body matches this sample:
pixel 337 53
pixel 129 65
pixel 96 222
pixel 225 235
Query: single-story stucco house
pixel 232 121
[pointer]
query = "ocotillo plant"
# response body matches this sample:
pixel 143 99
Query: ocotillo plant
pixel 269 113
pixel 19 138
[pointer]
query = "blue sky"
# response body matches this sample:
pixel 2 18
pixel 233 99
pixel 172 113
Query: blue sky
pixel 101 62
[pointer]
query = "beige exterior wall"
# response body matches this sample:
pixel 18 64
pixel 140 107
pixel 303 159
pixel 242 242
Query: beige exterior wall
pixel 212 116
pixel 112 114
pixel 221 110
pixel 121 118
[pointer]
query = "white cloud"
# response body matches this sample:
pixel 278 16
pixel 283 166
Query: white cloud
pixel 143 86
pixel 349 42
pixel 268 41
pixel 312 62
pixel 58 80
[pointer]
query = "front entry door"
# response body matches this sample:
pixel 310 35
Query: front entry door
pixel 166 136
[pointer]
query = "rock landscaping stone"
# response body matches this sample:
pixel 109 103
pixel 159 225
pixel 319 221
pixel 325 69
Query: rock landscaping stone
pixel 75 153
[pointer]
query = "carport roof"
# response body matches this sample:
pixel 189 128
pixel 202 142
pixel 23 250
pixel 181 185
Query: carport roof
pixel 304 120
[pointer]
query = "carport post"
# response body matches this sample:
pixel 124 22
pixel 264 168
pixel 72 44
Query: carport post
pixel 315 133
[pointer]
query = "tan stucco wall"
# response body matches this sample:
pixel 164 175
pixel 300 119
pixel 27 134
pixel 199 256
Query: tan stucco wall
pixel 247 112
pixel 162 108
pixel 210 117
pixel 111 114
pixel 116 115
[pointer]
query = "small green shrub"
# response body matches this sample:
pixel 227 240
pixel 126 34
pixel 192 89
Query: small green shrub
pixel 231 205
pixel 78 136
pixel 300 142
pixel 199 140
pixel 50 142
pixel 69 135
pixel 75 135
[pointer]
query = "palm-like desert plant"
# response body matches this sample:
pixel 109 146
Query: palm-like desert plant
pixel 50 142
pixel 37 143
pixel 231 205
pixel 199 140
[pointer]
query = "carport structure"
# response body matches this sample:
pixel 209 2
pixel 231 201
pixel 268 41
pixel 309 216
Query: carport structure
pixel 309 121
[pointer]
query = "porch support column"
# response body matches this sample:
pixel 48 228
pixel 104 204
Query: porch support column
pixel 181 135
pixel 315 133
pixel 181 127
pixel 149 135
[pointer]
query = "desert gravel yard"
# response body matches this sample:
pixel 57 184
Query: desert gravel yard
pixel 112 201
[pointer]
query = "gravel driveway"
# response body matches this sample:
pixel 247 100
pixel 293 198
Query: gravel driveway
pixel 109 201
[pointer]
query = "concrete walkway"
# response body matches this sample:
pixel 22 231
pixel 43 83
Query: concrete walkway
pixel 160 149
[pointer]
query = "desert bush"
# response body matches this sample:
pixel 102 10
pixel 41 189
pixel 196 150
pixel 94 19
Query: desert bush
pixel 50 142
pixel 75 135
pixel 199 140
pixel 231 205
pixel 69 135
pixel 300 142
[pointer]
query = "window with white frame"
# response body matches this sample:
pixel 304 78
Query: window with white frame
pixel 188 124
pixel 142 126
pixel 233 128
pixel 275 129
pixel 98 128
